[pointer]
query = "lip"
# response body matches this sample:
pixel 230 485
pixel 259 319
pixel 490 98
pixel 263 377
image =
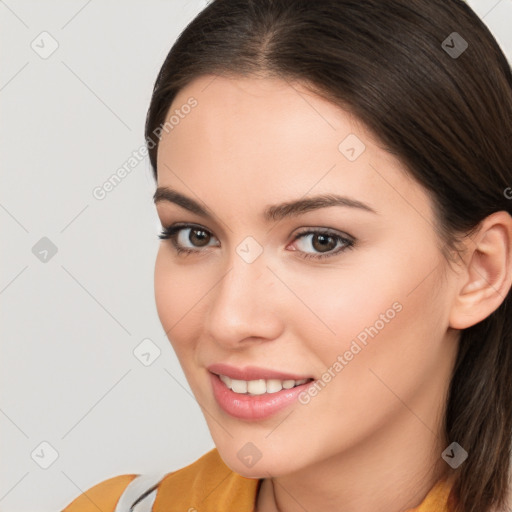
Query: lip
pixel 253 407
pixel 253 373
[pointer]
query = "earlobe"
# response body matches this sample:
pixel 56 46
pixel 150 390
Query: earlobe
pixel 487 278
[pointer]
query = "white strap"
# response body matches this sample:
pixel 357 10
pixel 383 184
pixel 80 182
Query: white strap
pixel 146 503
pixel 139 495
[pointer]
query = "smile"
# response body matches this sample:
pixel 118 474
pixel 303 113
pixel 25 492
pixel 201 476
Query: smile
pixel 258 399
pixel 260 386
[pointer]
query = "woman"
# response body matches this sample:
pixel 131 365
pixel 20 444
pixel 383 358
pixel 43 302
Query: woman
pixel 334 185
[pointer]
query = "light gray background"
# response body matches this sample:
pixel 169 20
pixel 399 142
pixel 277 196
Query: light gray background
pixel 68 373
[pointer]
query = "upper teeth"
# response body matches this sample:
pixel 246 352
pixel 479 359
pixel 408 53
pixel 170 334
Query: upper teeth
pixel 260 386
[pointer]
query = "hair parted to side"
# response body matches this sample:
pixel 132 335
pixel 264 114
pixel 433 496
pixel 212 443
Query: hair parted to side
pixel 449 120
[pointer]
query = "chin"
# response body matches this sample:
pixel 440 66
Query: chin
pixel 263 468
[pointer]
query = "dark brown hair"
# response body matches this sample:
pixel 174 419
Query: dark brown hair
pixel 447 117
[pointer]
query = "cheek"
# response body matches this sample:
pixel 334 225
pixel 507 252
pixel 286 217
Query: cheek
pixel 345 299
pixel 389 328
pixel 165 290
pixel 386 300
pixel 178 301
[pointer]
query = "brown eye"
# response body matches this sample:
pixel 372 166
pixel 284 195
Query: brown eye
pixel 321 242
pixel 324 243
pixel 187 238
pixel 199 237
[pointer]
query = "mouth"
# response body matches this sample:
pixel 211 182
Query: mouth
pixel 252 373
pixel 260 386
pixel 252 398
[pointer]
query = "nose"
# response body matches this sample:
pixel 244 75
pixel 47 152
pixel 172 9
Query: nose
pixel 244 305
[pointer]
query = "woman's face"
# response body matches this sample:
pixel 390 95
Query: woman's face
pixel 368 322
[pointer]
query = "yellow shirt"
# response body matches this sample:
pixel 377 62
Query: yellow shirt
pixel 208 485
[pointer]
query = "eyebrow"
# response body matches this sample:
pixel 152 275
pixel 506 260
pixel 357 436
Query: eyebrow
pixel 274 213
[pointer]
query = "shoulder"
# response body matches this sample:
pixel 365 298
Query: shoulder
pixel 204 485
pixel 103 496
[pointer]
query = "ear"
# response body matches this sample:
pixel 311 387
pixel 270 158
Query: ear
pixel 487 274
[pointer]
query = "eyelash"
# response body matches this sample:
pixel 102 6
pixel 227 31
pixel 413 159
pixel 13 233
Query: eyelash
pixel 170 232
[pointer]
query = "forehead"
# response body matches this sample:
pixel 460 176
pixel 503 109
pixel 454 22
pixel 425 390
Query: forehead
pixel 257 109
pixel 267 140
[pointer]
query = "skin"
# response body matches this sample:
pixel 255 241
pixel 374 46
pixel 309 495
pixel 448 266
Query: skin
pixel 372 438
